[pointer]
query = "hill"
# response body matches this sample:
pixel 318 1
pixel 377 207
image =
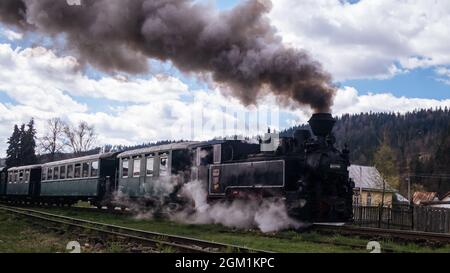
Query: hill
pixel 418 142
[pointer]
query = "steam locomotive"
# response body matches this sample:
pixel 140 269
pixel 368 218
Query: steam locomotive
pixel 308 173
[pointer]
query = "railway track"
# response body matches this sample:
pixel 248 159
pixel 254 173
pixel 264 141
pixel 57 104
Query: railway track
pixel 153 240
pixel 394 234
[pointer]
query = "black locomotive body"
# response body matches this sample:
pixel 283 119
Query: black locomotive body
pixel 309 174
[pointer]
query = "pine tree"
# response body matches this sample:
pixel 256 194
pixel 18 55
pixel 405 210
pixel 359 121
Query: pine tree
pixel 22 146
pixel 29 144
pixel 21 153
pixel 14 149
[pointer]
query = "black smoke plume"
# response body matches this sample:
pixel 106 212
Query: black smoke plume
pixel 238 48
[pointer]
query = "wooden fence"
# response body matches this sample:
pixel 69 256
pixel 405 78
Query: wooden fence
pixel 418 218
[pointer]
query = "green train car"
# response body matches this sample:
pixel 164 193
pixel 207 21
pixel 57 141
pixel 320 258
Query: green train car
pixel 154 172
pixel 23 183
pixel 90 178
pixel 3 176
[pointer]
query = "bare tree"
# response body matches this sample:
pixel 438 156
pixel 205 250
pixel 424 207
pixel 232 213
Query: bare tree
pixel 80 138
pixel 54 140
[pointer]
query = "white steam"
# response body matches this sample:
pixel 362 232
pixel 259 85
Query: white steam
pixel 268 215
pixel 157 193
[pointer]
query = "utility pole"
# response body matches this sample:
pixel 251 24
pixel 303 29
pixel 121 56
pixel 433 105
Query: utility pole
pixel 381 207
pixel 408 179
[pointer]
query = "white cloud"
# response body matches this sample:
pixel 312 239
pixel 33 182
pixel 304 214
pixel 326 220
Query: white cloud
pixel 23 70
pixel 11 35
pixel 367 39
pixel 443 75
pixel 44 85
pixel 349 101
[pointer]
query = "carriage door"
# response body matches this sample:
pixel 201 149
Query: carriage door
pixel 150 163
pixel 164 166
pixel 138 178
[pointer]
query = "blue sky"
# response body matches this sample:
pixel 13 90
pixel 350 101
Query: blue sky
pixel 397 61
pixel 418 83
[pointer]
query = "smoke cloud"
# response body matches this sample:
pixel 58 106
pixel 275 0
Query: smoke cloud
pixel 238 48
pixel 267 215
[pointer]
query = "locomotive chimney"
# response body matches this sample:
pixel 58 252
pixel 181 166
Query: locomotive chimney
pixel 322 124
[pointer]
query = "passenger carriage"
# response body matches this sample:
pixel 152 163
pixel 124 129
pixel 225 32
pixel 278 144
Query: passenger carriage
pixel 3 182
pixel 154 172
pixel 23 183
pixel 90 178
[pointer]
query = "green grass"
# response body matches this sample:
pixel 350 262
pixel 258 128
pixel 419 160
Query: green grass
pixel 18 236
pixel 286 241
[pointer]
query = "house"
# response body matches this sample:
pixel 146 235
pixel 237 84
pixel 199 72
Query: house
pixel 369 185
pixel 424 198
pixel 444 202
pixel 432 199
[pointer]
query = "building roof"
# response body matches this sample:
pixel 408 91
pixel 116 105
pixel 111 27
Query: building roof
pixel 159 148
pixel 423 197
pixel 78 159
pixel 445 195
pixel 368 178
pixel 400 198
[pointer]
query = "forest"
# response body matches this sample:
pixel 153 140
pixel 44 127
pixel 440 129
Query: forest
pixel 415 145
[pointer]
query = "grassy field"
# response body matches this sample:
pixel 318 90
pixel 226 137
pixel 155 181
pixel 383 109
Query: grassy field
pixel 18 235
pixel 287 241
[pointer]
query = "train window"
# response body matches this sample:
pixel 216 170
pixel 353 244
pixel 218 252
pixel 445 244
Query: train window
pixel 77 173
pixel 198 158
pixel 136 167
pixel 150 165
pixel 50 174
pixel 94 169
pixel 62 172
pixel 16 176
pixel 27 176
pixel 217 153
pixel 181 161
pixel 69 171
pixel 20 176
pixel 206 156
pixel 125 165
pixel 55 173
pixel 85 169
pixel 44 174
pixel 10 177
pixel 163 164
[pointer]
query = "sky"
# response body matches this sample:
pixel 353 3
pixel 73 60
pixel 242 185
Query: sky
pixel 384 56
